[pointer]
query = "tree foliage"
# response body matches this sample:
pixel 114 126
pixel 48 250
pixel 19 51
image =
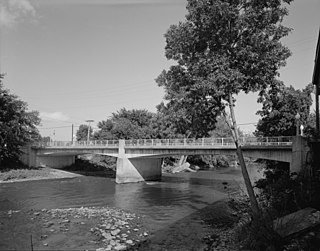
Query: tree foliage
pixel 279 108
pixel 82 133
pixel 223 47
pixel 127 124
pixel 222 129
pixel 17 124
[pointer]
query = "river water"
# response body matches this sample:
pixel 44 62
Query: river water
pixel 162 203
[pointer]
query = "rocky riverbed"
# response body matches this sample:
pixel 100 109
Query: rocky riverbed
pixel 84 228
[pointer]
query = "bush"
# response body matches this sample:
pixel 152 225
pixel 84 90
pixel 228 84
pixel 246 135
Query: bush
pixel 216 160
pixel 13 164
pixel 19 174
pixel 93 163
pixel 285 193
pixel 258 234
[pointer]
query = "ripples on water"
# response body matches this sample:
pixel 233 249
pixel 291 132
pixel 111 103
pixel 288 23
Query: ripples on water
pixel 162 202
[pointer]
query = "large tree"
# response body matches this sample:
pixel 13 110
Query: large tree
pixel 17 125
pixel 280 106
pixel 223 47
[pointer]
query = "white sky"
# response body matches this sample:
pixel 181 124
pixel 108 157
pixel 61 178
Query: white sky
pixel 74 60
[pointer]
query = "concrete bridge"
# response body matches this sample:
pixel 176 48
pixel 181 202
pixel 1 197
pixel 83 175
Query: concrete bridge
pixel 141 159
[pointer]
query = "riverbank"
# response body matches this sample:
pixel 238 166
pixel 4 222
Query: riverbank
pixel 206 228
pixel 19 175
pixel 95 228
pixel 106 228
pixel 84 228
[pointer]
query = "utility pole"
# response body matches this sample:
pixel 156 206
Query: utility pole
pixel 88 135
pixel 72 134
pixel 297 117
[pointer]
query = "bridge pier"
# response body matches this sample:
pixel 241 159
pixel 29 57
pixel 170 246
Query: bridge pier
pixel 136 169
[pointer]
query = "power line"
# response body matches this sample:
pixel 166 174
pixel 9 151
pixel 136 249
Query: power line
pixel 108 89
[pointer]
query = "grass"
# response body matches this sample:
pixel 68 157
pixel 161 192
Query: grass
pixel 18 174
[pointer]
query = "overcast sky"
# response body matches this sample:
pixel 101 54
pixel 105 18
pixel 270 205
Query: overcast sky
pixel 74 60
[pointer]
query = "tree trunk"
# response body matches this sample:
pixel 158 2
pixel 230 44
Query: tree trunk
pixel 252 197
pixel 183 159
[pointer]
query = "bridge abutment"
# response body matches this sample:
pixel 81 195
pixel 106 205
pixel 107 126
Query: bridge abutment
pixel 300 149
pixel 31 158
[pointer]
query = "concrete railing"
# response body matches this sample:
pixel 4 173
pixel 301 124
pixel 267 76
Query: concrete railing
pixel 204 142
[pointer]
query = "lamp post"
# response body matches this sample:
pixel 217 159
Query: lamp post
pixel 88 135
pixel 297 117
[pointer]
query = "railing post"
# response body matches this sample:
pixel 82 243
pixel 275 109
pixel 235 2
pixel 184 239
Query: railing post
pixel 184 141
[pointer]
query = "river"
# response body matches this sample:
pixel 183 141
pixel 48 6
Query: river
pixel 162 203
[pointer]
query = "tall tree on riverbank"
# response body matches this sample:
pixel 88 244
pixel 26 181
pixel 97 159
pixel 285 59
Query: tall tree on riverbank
pixel 222 48
pixel 17 125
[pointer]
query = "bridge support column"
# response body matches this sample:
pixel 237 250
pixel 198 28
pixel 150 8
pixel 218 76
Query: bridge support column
pixel 138 169
pixel 299 154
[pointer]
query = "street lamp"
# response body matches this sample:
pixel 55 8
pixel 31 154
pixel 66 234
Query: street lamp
pixel 297 117
pixel 88 135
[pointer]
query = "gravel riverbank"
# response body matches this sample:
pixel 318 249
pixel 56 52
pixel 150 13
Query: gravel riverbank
pixel 106 228
pixel 18 175
pixel 84 228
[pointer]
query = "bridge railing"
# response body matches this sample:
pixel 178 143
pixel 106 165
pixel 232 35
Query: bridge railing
pixel 80 144
pixel 268 141
pixel 205 142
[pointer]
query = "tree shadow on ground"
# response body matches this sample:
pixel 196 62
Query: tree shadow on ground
pixel 189 232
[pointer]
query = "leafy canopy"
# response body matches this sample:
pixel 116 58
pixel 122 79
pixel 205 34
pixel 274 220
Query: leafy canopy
pixel 17 124
pixel 82 133
pixel 279 108
pixel 127 124
pixel 221 48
